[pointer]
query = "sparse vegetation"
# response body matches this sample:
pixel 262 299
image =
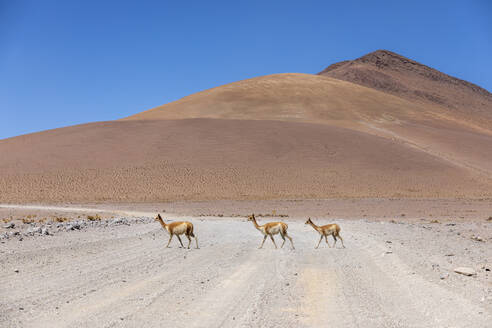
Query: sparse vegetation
pixel 94 217
pixel 242 215
pixel 272 215
pixel 60 219
pixel 28 220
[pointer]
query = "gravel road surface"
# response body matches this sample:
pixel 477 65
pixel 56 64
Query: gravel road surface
pixel 389 275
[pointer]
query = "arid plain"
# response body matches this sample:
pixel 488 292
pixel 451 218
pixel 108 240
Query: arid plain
pixel 395 152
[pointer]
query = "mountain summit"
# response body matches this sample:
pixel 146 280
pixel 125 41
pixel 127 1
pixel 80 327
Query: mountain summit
pixel 392 73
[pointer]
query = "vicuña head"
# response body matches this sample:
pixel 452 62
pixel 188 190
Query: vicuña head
pixel 308 221
pixel 251 217
pixel 158 217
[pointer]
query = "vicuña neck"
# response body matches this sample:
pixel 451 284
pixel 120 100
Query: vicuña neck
pixel 313 225
pixel 163 224
pixel 257 226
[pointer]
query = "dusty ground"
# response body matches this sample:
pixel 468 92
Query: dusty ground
pixel 378 209
pixel 389 275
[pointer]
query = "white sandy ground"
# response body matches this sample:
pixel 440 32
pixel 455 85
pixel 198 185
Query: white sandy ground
pixel 122 276
pixel 72 209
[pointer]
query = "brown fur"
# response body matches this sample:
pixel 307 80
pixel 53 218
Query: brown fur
pixel 325 231
pixel 270 229
pixel 178 228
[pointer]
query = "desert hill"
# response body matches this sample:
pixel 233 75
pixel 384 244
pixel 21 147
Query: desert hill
pixel 158 160
pixel 288 97
pixel 272 137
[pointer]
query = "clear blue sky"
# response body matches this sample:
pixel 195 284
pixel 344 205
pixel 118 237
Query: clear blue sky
pixel 70 62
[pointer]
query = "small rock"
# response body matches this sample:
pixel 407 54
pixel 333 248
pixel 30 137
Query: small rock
pixel 9 225
pixel 477 238
pixel 73 226
pixel 389 241
pixel 45 231
pixel 450 254
pixel 443 276
pixel 32 231
pixel 287 284
pixel 16 270
pixel 465 271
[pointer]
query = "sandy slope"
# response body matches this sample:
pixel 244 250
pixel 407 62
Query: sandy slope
pixel 289 97
pixel 122 276
pixel 201 159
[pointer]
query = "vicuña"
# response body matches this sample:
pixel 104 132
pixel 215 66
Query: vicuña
pixel 178 228
pixel 325 231
pixel 270 229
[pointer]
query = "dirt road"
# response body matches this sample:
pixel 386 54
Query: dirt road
pixel 390 275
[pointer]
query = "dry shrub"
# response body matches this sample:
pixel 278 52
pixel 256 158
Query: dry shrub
pixel 93 218
pixel 60 219
pixel 435 221
pixel 272 215
pixel 28 220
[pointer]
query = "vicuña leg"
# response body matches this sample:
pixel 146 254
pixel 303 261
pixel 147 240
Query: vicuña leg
pixel 334 237
pixel 180 241
pixel 341 241
pixel 196 242
pixel 264 238
pixel 326 239
pixel 290 239
pixel 273 240
pixel 189 241
pixel 283 238
pixel 320 238
pixel 170 237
